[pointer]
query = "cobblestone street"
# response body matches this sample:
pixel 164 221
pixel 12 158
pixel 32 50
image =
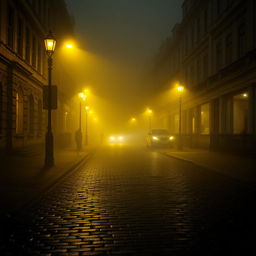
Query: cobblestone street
pixel 130 201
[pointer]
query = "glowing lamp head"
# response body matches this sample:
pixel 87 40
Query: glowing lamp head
pixel 245 95
pixel 50 44
pixel 171 138
pixel 149 111
pixel 82 96
pixel 69 46
pixel 87 108
pixel 180 88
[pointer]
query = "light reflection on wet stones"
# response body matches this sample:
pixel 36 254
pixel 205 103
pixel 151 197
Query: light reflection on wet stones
pixel 112 208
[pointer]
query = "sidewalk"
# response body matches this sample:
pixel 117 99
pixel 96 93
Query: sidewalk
pixel 239 166
pixel 23 178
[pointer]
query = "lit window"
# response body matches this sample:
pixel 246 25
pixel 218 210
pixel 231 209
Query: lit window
pixel 19 112
pixel 240 113
pixel 205 119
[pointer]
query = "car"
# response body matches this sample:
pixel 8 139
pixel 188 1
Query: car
pixel 160 137
pixel 116 139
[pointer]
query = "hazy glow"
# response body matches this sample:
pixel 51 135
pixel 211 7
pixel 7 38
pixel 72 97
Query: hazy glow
pixel 149 111
pixel 82 96
pixel 155 138
pixel 180 88
pixel 87 108
pixel 112 138
pixel 171 138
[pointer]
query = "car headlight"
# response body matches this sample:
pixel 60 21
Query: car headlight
pixel 171 138
pixel 155 138
pixel 120 138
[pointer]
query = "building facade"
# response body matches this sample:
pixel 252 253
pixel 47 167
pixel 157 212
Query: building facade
pixel 212 52
pixel 23 66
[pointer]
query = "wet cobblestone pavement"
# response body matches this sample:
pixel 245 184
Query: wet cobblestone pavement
pixel 127 201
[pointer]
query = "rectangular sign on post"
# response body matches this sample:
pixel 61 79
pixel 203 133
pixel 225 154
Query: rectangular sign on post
pixel 54 100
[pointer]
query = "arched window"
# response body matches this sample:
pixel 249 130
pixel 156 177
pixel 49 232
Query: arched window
pixel 31 114
pixel 19 112
pixel 40 117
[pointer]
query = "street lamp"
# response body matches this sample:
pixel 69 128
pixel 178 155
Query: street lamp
pixel 149 113
pixel 86 124
pixel 180 90
pixel 82 97
pixel 50 44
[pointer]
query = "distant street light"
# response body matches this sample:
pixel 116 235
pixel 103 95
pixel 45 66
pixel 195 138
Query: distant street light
pixel 149 113
pixel 50 44
pixel 180 90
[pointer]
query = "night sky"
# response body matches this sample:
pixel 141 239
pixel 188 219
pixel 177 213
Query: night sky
pixel 127 33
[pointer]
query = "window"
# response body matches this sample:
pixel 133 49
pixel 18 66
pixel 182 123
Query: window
pixel 241 40
pixel 20 37
pixel 31 115
pixel 218 56
pixel 220 7
pixel 186 75
pixel 40 117
pixel 192 75
pixel 240 113
pixel 205 119
pixel 198 70
pixel 229 49
pixel 34 51
pixel 205 66
pixel 192 35
pixel 198 29
pixel 186 44
pixel 19 112
pixel 193 120
pixel 229 3
pixel 39 58
pixel 27 55
pixel 205 21
pixel 10 26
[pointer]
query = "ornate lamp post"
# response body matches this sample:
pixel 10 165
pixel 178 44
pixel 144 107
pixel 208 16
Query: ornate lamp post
pixel 50 44
pixel 86 124
pixel 180 90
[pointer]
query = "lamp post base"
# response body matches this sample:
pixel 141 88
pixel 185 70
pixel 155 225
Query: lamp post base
pixel 49 159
